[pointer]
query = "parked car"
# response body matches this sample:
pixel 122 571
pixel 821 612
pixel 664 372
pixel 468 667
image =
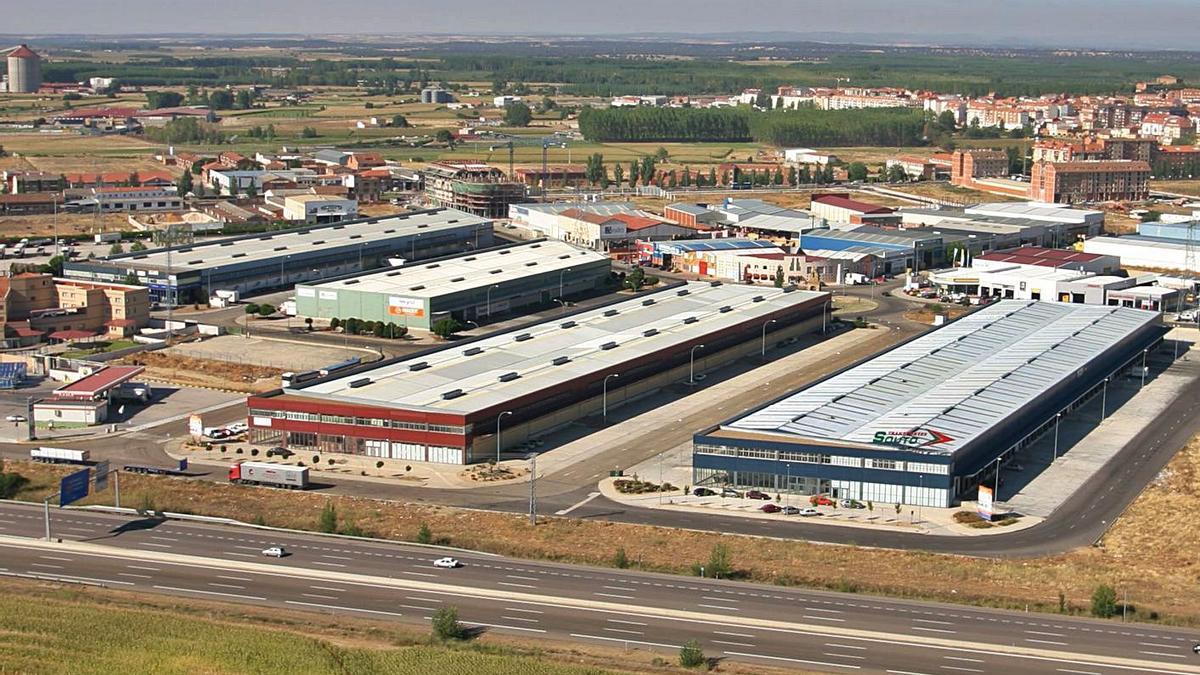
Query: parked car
pixel 704 492
pixel 789 510
pixel 730 492
pixel 851 504
pixel 809 511
pixel 275 552
pixel 15 418
pixel 447 562
pixel 770 508
pixel 821 500
pixel 757 494
pixel 280 452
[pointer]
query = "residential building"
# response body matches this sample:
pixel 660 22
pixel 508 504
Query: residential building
pixel 24 182
pixel 111 199
pixel 1089 181
pixel 968 165
pixel 40 306
pixel 473 187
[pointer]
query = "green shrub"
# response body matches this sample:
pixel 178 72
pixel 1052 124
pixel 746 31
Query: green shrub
pixel 620 560
pixel 691 656
pixel 424 534
pixel 1104 601
pixel 328 520
pixel 11 484
pixel 446 626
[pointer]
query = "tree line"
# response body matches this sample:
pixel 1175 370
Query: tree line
pixel 880 127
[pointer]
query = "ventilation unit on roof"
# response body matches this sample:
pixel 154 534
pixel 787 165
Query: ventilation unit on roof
pixel 238 255
pixel 457 279
pixel 389 231
pixel 317 242
pixel 523 337
pixel 422 226
pixel 535 246
pixel 339 227
pixel 350 282
pixel 417 288
pixel 561 360
pixel 790 289
pixel 269 237
pixel 356 236
pixel 564 256
pixel 228 243
pixel 509 377
pixel 453 393
pixel 279 248
pixel 433 266
pixel 470 259
pixel 647 302
pixel 567 324
pixel 472 351
pixel 611 312
pixel 648 333
pixel 608 345
pixel 361 382
pixel 187 249
pixel 683 292
pixel 726 308
pixel 505 252
pixel 495 271
pixel 691 319
pixel 451 222
pixel 419 365
pixel 392 274
pixel 530 264
pixel 195 262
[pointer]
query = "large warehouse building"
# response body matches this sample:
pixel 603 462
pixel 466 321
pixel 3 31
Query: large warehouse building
pixel 472 287
pixel 260 262
pixel 922 423
pixel 445 405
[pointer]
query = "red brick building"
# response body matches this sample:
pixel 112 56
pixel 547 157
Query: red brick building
pixel 1089 181
pixel 967 165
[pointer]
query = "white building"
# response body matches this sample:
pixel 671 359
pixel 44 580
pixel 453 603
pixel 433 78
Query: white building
pixel 807 156
pixel 109 199
pixel 314 209
pixel 505 101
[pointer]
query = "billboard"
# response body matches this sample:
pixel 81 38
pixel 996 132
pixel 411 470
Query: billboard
pixel 196 426
pixel 74 487
pixel 102 476
pixel 398 306
pixel 986 505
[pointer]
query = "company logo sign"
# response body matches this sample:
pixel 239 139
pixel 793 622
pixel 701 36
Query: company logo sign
pixel 398 306
pixel 913 438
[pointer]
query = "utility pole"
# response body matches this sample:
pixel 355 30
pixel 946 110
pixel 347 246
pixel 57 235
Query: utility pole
pixel 533 489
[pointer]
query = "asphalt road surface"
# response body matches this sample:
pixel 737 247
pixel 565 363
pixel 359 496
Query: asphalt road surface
pixel 821 631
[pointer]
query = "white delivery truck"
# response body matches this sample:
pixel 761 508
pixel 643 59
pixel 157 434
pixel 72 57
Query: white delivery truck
pixel 59 455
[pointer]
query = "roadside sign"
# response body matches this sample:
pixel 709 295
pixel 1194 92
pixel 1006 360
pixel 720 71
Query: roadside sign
pixel 985 505
pixel 183 464
pixel 74 487
pixel 102 476
pixel 196 427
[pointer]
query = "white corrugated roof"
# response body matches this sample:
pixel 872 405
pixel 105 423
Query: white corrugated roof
pixel 959 380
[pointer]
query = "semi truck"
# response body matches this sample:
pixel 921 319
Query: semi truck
pixel 158 470
pixel 59 455
pixel 271 475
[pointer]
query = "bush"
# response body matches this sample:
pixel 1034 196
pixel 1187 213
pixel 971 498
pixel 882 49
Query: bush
pixel 691 656
pixel 720 564
pixel 1104 601
pixel 11 484
pixel 352 531
pixel 252 308
pixel 328 520
pixel 330 461
pixel 316 459
pixel 620 560
pixel 967 517
pixel 379 464
pixel 254 452
pixel 266 310
pixel 446 626
pixel 424 534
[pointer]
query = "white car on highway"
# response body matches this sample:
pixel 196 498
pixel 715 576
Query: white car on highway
pixel 274 552
pixel 447 562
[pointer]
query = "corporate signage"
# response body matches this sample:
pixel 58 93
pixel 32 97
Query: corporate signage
pixel 398 306
pixel 921 437
pixel 986 503
pixel 196 426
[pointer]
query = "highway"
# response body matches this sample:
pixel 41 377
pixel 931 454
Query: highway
pixel 769 625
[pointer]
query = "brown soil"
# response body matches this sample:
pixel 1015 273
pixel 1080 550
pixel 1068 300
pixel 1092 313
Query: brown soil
pixel 194 372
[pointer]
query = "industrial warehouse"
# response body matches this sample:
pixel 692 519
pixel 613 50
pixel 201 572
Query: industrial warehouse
pixel 474 287
pixel 453 404
pixel 923 423
pixel 275 260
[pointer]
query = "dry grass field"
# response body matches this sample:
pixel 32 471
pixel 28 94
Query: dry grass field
pixel 1150 552
pixel 194 372
pixel 951 193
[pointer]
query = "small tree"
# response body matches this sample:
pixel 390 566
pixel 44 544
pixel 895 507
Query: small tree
pixel 399 121
pixel 856 171
pixel 334 323
pixel 116 249
pixel 635 279
pixel 445 624
pixel 308 323
pixel 137 247
pixel 720 564
pixel 620 560
pixel 444 328
pixel 328 520
pixel 265 310
pixel 691 655
pixel 1104 601
pixel 779 277
pixel 252 308
pixel 517 115
pixel 424 534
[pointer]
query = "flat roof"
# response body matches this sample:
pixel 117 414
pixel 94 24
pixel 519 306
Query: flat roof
pixel 1036 255
pixel 99 382
pixel 490 372
pixel 959 380
pixel 1034 210
pixel 474 270
pixel 270 245
pixel 716 244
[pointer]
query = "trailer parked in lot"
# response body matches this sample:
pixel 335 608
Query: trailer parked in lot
pixel 59 455
pixel 158 470
pixel 271 475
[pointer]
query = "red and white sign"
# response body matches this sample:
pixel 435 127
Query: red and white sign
pixel 911 438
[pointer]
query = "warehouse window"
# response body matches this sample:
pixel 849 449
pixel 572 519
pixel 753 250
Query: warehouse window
pixel 756 453
pixel 445 429
pixel 807 457
pixel 412 426
pixel 889 464
pixel 715 450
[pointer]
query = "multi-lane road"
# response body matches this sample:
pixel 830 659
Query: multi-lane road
pixel 801 629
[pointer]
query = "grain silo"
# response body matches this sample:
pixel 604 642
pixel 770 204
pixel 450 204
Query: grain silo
pixel 24 71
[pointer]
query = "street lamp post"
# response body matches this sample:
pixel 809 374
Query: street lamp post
pixel 533 489
pixel 824 311
pixel 560 282
pixel 1104 400
pixel 604 396
pixel 489 299
pixel 1057 417
pixel 1144 353
pixel 764 336
pixel 498 418
pixel 692 365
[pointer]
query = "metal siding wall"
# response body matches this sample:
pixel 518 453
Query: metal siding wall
pixel 824 471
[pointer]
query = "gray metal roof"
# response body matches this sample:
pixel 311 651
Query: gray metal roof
pixel 501 368
pixel 959 380
pixel 277 244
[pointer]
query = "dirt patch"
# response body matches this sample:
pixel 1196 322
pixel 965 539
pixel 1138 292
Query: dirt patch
pixel 951 193
pixel 67 224
pixel 925 314
pixel 1150 552
pixel 193 372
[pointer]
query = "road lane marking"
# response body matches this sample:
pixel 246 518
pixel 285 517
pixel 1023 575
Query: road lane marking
pixel 620 588
pixel 324 588
pixel 415 574
pixel 409 597
pixel 628 623
pixel 822 618
pixel 327 564
pixel 1173 656
pixel 838 646
pixel 519 618
pixel 962 658
pixel 54 557
pixel 708 597
pixel 213 583
pixel 229 578
pixel 1042 632
pixel 585 500
pixel 1155 644
pixel 517 576
pixel 150 543
pixel 317 595
pixel 720 607
pixel 962 668
pixel 53 567
pixel 93 580
pixel 502 626
pixel 845 656
pixel 1046 642
pixel 726 632
pixel 733 644
pixel 910 672
pixel 241 555
pixel 614 595
pixel 142 567
pixel 513 584
pixel 1077 672
pixel 818 609
pixel 154 536
pixel 518 609
pixel 336 557
pixel 933 630
pixel 419 608
pixel 348 609
pixel 616 639
pixel 197 590
pixel 135 576
pixel 781 658
pixel 939 623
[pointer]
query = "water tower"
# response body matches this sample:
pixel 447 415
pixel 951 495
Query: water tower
pixel 24 71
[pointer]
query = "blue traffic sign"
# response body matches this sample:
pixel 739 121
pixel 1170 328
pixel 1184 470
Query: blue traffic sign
pixel 74 487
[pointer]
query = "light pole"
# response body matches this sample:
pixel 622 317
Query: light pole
pixel 764 337
pixel 560 282
pixel 787 485
pixel 1057 417
pixel 1144 353
pixel 1104 400
pixel 563 303
pixel 489 299
pixel 533 489
pixel 824 311
pixel 692 365
pixel 498 418
pixel 604 396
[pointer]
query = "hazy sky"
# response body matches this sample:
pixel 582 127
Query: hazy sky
pixel 1119 23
